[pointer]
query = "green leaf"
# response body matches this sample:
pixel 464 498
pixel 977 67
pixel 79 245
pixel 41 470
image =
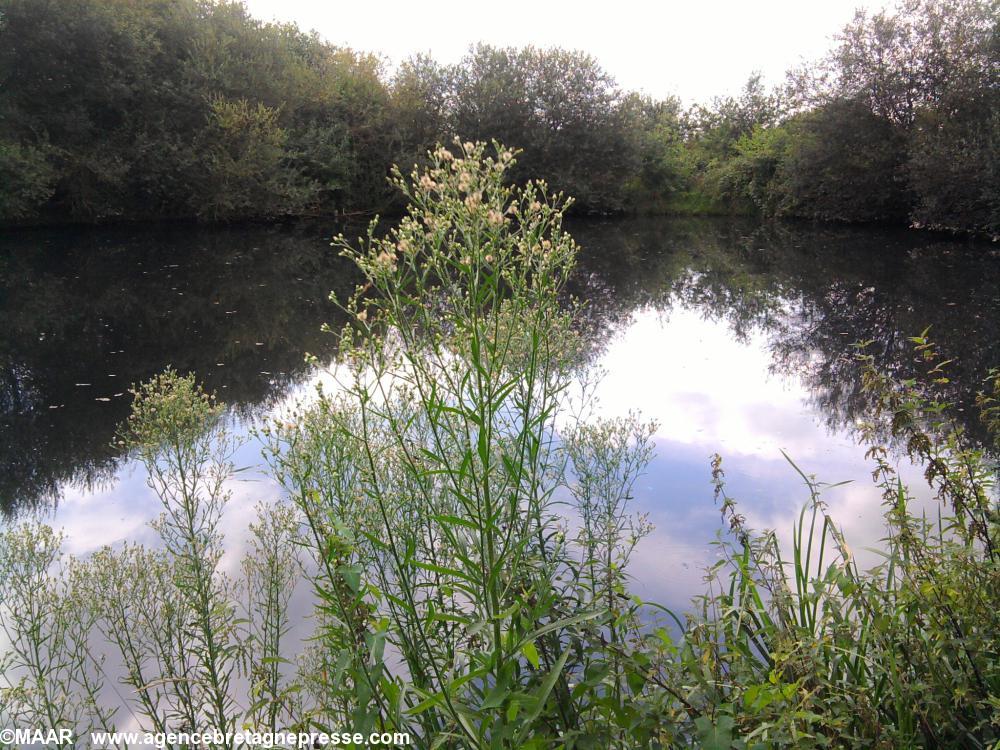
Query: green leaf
pixel 455 520
pixel 541 696
pixel 496 696
pixel 530 653
pixel 717 736
pixel 460 574
pixel 352 576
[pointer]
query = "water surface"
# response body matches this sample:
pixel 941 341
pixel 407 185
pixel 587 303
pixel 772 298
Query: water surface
pixel 738 338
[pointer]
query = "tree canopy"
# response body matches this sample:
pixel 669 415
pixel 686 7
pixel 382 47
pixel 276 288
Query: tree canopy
pixel 148 109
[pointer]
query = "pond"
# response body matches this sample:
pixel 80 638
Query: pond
pixel 736 337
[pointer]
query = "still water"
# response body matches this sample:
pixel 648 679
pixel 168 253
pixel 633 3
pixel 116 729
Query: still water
pixel 736 337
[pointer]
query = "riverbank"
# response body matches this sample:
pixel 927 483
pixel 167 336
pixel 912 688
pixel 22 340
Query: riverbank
pixel 461 557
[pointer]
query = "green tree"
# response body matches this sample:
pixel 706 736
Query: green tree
pixel 661 167
pixel 246 164
pixel 954 164
pixel 844 164
pixel 930 68
pixel 421 105
pixel 114 110
pixel 26 178
pixel 560 108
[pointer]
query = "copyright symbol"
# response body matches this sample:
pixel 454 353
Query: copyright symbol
pixel 6 736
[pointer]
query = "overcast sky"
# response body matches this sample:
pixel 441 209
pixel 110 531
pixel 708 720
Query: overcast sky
pixel 695 49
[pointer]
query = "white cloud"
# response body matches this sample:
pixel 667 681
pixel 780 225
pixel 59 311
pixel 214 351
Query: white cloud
pixel 704 387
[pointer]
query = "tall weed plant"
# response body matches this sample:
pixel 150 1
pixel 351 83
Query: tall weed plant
pixel 160 639
pixel 433 481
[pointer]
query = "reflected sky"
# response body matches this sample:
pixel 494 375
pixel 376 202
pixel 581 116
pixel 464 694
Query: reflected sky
pixel 713 393
pixel 709 393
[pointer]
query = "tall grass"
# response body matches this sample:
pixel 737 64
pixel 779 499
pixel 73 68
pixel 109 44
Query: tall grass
pixel 429 493
pixel 813 651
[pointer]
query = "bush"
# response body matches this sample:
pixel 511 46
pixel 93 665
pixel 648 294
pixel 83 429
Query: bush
pixel 428 483
pixel 27 178
pixel 954 166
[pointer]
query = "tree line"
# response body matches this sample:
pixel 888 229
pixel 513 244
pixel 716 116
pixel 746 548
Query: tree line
pixel 150 109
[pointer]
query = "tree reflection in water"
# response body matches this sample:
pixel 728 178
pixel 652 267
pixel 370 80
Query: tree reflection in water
pixel 88 313
pixel 814 293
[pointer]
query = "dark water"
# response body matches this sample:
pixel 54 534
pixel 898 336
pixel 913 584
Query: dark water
pixel 737 337
pixel 88 313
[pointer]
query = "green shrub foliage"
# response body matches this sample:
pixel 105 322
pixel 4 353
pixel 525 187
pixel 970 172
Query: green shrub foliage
pixel 192 108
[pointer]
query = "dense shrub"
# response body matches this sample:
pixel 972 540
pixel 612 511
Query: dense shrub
pixel 27 177
pixel 182 108
pixel 843 164
pixel 898 125
pixel 954 167
pixel 559 108
pixel 192 108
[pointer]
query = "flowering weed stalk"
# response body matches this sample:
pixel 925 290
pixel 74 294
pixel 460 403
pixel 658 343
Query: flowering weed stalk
pixel 435 467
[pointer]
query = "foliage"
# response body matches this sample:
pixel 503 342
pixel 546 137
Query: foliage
pixel 429 481
pixel 753 174
pixel 719 126
pixel 897 124
pixel 167 620
pixel 953 166
pixel 662 169
pixel 128 103
pixel 812 651
pixel 192 108
pixel 171 431
pixel 27 178
pixel 49 677
pixel 422 96
pixel 842 164
pixel 246 153
pixel 929 69
pixel 559 108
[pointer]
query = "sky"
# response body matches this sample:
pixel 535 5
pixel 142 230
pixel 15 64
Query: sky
pixel 694 49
